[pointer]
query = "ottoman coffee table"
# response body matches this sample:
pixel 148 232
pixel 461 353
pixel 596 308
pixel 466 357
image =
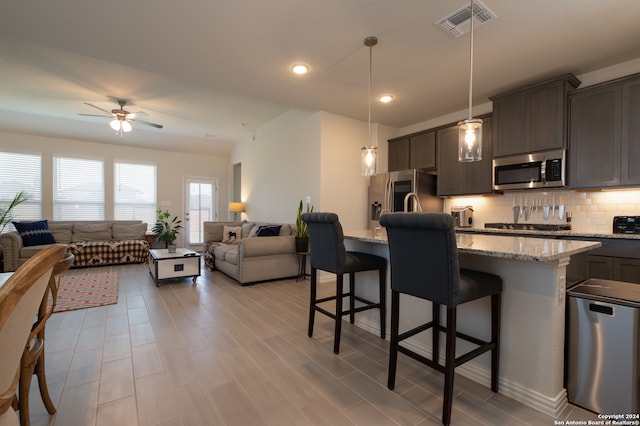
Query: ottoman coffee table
pixel 183 263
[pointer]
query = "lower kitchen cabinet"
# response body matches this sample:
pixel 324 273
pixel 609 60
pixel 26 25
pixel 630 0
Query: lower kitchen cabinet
pixel 614 268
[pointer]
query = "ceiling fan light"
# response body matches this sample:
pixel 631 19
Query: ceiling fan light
pixel 115 125
pixel 126 126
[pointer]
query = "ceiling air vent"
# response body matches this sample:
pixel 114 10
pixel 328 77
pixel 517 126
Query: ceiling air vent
pixel 458 22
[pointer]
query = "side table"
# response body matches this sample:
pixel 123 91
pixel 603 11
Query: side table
pixel 302 265
pixel 183 263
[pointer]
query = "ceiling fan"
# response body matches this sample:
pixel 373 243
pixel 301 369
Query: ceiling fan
pixel 121 118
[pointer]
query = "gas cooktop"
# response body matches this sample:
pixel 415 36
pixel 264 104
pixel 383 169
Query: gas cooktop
pixel 529 226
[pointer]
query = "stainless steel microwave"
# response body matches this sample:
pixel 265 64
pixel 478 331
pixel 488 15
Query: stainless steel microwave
pixel 538 170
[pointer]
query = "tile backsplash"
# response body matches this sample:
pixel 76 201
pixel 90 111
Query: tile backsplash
pixel 591 212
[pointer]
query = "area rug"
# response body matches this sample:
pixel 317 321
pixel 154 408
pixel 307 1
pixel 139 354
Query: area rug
pixel 87 291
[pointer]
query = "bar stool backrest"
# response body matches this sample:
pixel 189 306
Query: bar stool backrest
pixel 423 255
pixel 326 241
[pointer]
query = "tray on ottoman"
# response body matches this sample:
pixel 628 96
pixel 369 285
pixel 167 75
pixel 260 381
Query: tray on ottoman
pixel 183 263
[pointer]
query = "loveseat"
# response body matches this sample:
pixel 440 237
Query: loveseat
pixel 250 252
pixel 94 243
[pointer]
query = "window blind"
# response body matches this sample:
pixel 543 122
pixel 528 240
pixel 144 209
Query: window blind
pixel 21 172
pixel 135 192
pixel 78 189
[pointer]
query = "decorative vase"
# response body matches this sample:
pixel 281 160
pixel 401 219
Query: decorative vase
pixel 302 244
pixel 172 248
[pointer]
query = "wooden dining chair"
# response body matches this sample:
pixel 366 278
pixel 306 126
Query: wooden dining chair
pixel 20 298
pixel 32 361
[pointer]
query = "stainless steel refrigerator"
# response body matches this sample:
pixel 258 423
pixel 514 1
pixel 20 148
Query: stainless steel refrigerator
pixel 388 191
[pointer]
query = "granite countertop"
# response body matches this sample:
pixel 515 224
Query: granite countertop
pixel 507 247
pixel 525 232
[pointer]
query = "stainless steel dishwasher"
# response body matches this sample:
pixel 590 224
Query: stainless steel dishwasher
pixel 604 342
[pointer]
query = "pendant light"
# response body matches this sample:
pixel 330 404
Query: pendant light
pixel 470 130
pixel 370 153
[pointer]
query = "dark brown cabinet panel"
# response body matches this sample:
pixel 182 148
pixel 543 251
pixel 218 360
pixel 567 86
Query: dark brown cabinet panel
pixel 533 118
pixel 416 151
pixel 630 169
pixel 604 135
pixel 595 138
pixel 398 154
pixel 422 151
pixel 456 178
pixel 614 268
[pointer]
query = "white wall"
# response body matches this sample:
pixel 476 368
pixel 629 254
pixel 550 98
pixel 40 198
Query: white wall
pixel 280 167
pixel 172 168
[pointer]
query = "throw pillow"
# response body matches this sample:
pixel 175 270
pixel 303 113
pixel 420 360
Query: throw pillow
pixel 268 231
pixel 231 234
pixel 129 232
pixel 34 233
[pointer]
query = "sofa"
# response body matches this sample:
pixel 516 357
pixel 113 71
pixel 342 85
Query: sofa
pixel 93 243
pixel 250 252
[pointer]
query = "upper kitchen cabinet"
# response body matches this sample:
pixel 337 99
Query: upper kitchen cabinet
pixel 415 151
pixel 532 118
pixel 604 137
pixel 468 178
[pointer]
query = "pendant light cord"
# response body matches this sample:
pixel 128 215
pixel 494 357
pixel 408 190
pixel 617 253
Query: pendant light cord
pixel 370 66
pixel 471 65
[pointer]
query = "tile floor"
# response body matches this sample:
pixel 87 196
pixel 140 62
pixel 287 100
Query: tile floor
pixel 216 353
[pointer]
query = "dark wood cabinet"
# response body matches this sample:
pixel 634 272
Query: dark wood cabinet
pixel 456 178
pixel 415 151
pixel 604 135
pixel 398 154
pixel 614 268
pixel 533 118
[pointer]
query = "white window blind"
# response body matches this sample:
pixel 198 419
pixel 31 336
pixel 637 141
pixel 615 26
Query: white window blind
pixel 135 192
pixel 78 189
pixel 21 172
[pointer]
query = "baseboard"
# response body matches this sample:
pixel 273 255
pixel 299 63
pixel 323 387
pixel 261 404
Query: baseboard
pixel 478 373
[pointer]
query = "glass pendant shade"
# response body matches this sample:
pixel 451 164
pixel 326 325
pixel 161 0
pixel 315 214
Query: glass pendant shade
pixel 369 160
pixel 126 126
pixel 470 140
pixel 115 124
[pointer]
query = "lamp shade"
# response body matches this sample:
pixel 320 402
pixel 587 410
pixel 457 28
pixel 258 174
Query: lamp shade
pixel 236 207
pixel 470 140
pixel 369 160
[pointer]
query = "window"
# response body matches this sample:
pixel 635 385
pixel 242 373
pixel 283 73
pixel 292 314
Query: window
pixel 21 172
pixel 134 190
pixel 78 189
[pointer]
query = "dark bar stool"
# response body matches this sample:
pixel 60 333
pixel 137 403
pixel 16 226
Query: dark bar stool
pixel 424 264
pixel 328 253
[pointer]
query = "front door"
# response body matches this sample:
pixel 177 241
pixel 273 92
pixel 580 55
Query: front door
pixel 200 201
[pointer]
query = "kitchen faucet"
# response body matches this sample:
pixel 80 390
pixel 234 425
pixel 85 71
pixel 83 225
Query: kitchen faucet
pixel 406 201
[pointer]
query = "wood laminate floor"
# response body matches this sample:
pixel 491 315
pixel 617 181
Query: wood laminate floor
pixel 216 353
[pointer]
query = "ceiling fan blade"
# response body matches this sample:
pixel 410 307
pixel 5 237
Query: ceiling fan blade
pixel 138 114
pixel 95 115
pixel 97 107
pixel 147 123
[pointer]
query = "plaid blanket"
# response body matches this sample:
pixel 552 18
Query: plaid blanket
pixel 91 253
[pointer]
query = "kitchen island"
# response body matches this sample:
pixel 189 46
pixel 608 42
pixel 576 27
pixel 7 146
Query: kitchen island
pixel 534 274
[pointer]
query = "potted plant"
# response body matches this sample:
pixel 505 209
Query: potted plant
pixel 5 212
pixel 302 232
pixel 167 230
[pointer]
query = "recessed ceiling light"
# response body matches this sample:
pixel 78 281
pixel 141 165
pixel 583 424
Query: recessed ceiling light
pixel 300 69
pixel 385 99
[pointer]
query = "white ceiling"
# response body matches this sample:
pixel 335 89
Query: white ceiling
pixel 220 67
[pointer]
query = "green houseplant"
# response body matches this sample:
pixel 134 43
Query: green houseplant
pixel 6 214
pixel 167 229
pixel 302 232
